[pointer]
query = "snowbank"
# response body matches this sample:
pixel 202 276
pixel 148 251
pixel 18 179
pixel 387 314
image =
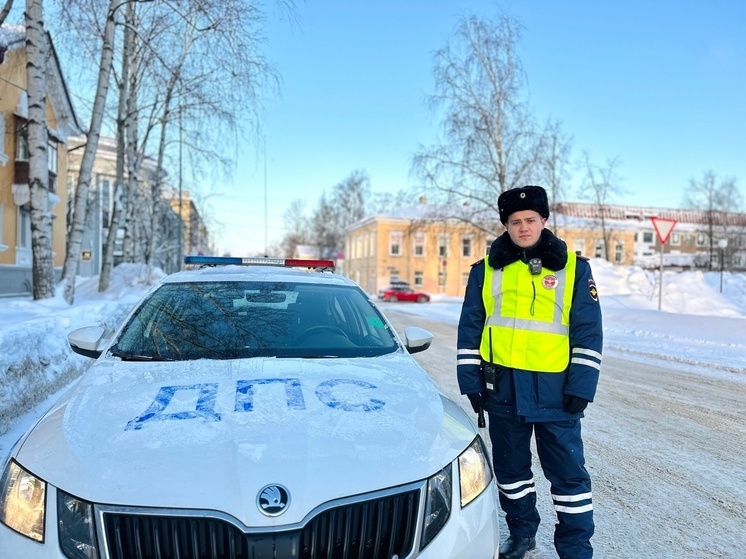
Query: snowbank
pixel 35 359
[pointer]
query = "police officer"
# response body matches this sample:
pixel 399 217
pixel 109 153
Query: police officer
pixel 529 352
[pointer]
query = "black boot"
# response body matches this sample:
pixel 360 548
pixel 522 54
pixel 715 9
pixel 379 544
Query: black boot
pixel 516 548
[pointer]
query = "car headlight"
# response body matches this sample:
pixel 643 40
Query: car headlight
pixel 474 471
pixel 76 528
pixel 22 501
pixel 438 505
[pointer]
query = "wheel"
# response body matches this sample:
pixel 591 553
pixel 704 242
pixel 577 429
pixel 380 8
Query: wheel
pixel 422 299
pixel 314 330
pixel 393 298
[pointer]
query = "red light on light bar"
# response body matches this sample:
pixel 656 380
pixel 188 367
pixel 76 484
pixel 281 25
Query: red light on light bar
pixel 309 263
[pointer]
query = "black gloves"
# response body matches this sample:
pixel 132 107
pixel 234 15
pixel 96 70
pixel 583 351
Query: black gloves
pixel 574 404
pixel 477 400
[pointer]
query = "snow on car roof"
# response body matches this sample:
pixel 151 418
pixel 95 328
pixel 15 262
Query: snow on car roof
pixel 256 273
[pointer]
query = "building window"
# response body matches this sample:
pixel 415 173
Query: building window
pixel 465 279
pixel 22 153
pixel 599 250
pixel 701 239
pixel 579 246
pixel 443 245
pixel 419 243
pixel 395 239
pixel 3 155
pixel 106 199
pixel 675 239
pixel 52 157
pixel 488 245
pixel 2 246
pixel 419 278
pixel 441 278
pixel 466 247
pixel 24 227
pixel 618 252
pixel 647 237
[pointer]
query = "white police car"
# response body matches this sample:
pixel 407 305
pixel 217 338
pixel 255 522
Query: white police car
pixel 251 412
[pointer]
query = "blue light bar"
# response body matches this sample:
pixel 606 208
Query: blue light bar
pixel 212 260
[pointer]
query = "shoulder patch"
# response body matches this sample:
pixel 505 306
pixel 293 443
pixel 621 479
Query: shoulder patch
pixel 477 262
pixel 592 289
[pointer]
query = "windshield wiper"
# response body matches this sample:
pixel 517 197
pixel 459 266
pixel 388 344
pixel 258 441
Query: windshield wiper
pixel 124 356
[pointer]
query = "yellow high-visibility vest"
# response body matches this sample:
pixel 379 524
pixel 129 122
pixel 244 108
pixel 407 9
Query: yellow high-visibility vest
pixel 528 317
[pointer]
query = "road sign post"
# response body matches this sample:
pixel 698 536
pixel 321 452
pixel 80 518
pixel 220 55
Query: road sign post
pixel 663 227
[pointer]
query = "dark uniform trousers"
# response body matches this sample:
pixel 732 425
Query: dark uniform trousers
pixel 560 449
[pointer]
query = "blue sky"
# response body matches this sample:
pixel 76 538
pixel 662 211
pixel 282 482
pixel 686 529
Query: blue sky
pixel 660 85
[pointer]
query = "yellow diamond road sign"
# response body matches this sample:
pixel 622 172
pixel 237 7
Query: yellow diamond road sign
pixel 663 227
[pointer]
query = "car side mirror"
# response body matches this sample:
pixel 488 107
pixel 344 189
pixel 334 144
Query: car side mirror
pixel 417 339
pixel 87 341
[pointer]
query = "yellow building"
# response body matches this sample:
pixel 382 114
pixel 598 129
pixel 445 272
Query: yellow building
pixel 15 216
pixel 195 235
pixel 433 248
pixel 420 245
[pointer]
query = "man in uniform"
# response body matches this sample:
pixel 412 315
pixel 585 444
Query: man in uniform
pixel 529 352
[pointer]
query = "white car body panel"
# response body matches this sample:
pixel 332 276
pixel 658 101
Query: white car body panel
pixel 225 456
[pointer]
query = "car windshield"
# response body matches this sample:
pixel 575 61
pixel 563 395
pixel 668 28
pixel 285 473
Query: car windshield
pixel 233 320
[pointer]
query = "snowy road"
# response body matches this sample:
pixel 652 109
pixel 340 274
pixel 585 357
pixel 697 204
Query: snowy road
pixel 666 450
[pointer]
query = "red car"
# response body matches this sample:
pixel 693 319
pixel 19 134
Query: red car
pixel 403 293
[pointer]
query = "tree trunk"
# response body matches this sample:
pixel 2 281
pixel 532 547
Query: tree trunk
pixel 80 209
pixel 6 10
pixel 138 218
pixel 119 190
pixel 41 219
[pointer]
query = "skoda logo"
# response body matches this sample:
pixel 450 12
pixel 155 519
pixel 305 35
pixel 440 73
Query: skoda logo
pixel 272 500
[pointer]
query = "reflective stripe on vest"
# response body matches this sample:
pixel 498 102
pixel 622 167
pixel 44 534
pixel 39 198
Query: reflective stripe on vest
pixel 528 317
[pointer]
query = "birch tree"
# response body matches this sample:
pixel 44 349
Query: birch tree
pixel 42 265
pixel 600 184
pixel 82 188
pixel 714 196
pixel 211 94
pixel 490 142
pixel 297 228
pixel 107 258
pixel 553 164
pixel 6 10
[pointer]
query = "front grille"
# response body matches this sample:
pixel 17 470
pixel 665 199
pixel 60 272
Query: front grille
pixel 381 528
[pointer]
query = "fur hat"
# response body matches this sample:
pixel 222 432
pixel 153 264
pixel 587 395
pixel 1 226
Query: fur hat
pixel 523 198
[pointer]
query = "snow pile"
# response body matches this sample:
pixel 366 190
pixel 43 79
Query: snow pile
pixel 693 292
pixel 35 360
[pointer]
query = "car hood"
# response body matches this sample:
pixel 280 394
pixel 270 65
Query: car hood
pixel 211 434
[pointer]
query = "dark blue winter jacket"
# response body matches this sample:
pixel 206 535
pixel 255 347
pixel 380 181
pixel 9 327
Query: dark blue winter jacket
pixel 535 396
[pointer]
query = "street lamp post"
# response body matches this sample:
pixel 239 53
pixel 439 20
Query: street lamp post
pixel 722 245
